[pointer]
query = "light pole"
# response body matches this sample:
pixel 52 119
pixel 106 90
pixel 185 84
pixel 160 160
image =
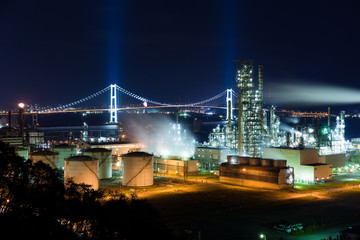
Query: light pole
pixel 262 236
pixel 21 120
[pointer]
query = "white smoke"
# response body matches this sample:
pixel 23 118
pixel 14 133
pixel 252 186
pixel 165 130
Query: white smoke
pixel 164 138
pixel 312 94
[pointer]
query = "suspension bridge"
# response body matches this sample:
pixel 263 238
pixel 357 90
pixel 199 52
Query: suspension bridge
pixel 114 90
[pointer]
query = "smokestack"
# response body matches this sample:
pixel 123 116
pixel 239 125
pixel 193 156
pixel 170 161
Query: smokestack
pixel 328 117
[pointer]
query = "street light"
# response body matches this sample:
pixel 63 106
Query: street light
pixel 21 105
pixel 21 119
pixel 262 236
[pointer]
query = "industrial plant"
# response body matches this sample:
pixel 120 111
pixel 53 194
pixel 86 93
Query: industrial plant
pixel 253 148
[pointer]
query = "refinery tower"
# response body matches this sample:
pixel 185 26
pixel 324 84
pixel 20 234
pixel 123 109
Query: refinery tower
pixel 250 105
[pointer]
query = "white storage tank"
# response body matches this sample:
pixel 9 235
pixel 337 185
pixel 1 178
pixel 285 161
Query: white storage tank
pixel 82 169
pixel 103 156
pixel 64 151
pixel 138 169
pixel 48 157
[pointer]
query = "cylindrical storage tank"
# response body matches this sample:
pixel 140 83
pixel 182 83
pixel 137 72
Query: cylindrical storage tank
pixel 244 161
pixel 103 156
pixel 279 163
pixel 254 161
pixel 82 169
pixel 266 162
pixel 64 151
pixel 48 157
pixel 233 159
pixel 137 169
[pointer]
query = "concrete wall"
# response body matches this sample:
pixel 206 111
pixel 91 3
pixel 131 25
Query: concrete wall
pixel 322 173
pixel 255 184
pixel 309 156
pixel 301 160
pixel 175 167
pixel 336 160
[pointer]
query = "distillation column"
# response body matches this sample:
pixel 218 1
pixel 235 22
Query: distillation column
pixel 250 108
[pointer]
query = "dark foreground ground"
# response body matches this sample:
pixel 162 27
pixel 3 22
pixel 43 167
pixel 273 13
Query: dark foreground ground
pixel 218 211
pixel 212 210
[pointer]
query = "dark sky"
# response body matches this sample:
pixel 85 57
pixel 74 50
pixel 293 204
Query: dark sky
pixel 54 52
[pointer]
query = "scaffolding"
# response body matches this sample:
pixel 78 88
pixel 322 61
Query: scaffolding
pixel 250 103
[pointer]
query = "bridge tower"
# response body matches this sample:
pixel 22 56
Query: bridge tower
pixel 229 107
pixel 113 104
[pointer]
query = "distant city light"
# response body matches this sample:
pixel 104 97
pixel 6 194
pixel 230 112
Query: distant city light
pixel 21 105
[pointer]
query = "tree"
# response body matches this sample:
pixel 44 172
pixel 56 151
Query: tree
pixel 35 203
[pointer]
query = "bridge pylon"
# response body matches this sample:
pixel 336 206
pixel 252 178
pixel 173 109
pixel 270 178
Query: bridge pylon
pixel 113 104
pixel 229 106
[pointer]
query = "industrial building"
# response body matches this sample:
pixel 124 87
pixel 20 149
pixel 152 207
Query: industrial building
pixel 210 158
pixel 250 106
pixel 225 137
pixel 176 166
pixel 257 172
pixel 308 165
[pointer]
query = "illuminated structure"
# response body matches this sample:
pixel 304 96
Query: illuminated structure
pixel 210 158
pixel 113 104
pixel 274 127
pixel 257 172
pixel 225 137
pixel 328 141
pixel 308 165
pixel 250 108
pixel 175 166
pixel 229 106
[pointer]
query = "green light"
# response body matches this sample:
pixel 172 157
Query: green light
pixel 324 131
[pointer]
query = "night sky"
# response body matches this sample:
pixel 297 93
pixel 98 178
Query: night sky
pixel 54 52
